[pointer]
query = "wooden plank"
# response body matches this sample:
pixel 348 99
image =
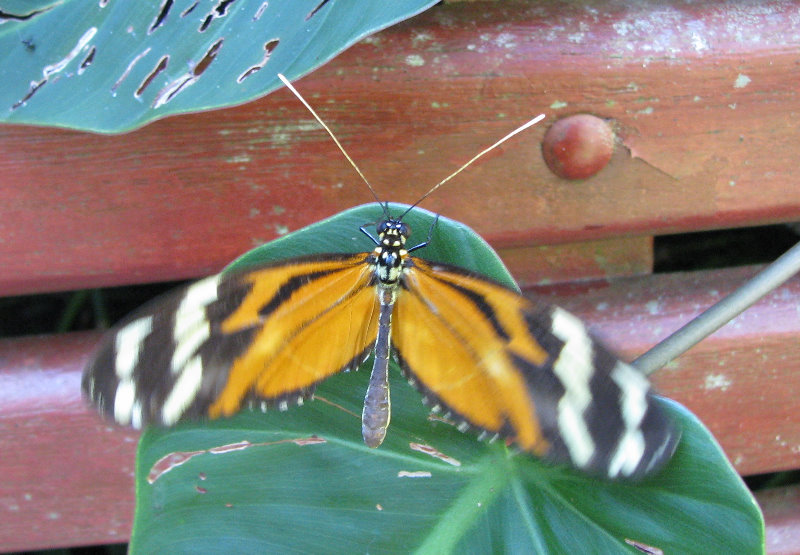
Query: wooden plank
pixel 59 455
pixel 710 119
pixel 781 507
pixel 67 477
pixel 602 259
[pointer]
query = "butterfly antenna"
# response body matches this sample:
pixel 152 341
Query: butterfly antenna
pixel 335 140
pixel 519 129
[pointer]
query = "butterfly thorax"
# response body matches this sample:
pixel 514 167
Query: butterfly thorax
pixel 390 253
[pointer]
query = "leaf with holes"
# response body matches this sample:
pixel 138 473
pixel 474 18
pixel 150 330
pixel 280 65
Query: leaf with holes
pixel 103 66
pixel 303 480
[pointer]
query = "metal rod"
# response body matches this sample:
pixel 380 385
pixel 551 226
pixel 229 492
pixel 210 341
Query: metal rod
pixel 722 312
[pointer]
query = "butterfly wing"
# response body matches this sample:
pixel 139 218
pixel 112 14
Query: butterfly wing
pixel 267 334
pixel 526 371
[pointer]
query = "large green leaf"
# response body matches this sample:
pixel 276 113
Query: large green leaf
pixel 303 481
pixel 113 66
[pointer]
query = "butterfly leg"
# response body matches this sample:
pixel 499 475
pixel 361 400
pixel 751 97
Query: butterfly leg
pixel 430 236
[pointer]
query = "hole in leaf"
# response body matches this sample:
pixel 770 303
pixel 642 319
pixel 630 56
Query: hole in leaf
pixel 128 69
pixel 8 16
pixel 203 64
pixel 172 89
pixel 34 87
pixel 162 15
pixel 260 11
pixel 57 67
pixel 313 12
pixel 87 61
pixel 189 10
pixel 160 66
pixel 220 10
pixel 269 46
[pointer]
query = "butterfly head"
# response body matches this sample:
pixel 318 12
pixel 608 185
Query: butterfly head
pixel 391 250
pixel 393 233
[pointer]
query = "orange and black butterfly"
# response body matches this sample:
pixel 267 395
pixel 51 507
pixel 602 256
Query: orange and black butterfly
pixel 492 359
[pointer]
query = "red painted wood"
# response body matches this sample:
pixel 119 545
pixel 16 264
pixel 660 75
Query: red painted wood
pixel 184 196
pixel 67 477
pixel 604 258
pixel 781 507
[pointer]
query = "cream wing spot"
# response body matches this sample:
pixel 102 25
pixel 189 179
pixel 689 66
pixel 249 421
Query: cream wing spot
pixel 184 391
pixel 574 369
pixel 136 415
pixel 631 447
pixel 128 345
pixel 124 399
pixel 192 327
pixel 187 345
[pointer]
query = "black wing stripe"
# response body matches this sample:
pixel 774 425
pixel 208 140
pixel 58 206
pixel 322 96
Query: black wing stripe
pixel 476 299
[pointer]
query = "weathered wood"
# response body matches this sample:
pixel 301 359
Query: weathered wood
pixel 781 507
pixel 67 477
pixel 57 454
pixel 709 115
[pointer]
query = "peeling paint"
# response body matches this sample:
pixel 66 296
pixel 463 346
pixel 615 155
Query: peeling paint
pixel 415 60
pixel 717 381
pixel 699 42
pixel 419 37
pixel 741 81
pixel 506 40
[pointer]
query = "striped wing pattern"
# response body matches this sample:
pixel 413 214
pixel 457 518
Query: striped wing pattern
pixel 490 358
pixel 528 372
pixel 236 338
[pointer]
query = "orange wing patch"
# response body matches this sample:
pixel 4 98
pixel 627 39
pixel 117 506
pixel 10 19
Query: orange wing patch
pixel 463 357
pixel 315 318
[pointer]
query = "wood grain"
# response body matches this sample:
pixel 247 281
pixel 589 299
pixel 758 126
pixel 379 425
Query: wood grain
pixel 705 113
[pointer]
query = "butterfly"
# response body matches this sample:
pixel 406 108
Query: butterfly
pixel 486 356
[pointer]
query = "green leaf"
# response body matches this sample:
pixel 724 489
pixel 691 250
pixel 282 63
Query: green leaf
pixel 303 480
pixel 110 67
